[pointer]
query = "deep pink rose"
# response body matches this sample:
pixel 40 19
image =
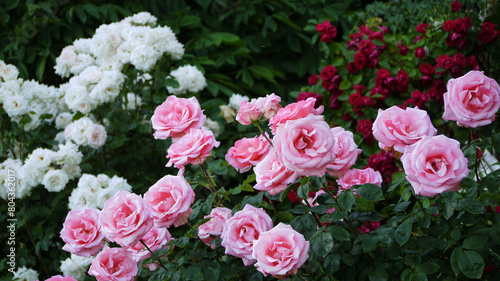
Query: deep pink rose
pixel 81 232
pixel 434 165
pixel 280 251
pixel 347 152
pixel 156 239
pixel 213 228
pixel 168 199
pixel 359 177
pixel 272 175
pixel 113 264
pixel 192 148
pixel 294 111
pixel 176 116
pixel 247 153
pixel 125 218
pixel 241 231
pixel 268 105
pixel 397 128
pixel 313 79
pixel 455 6
pixel 248 112
pixel 61 278
pixel 472 100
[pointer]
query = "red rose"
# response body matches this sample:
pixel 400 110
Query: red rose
pixel 455 6
pixel 313 79
pixel 426 68
pixel 351 67
pixel 472 62
pixel 328 72
pixel 459 60
pixel 421 27
pixel 366 47
pixel 376 35
pixel 420 53
pixel 359 88
pixel 403 50
pixel 326 37
pixel 449 25
pixel 355 99
pixel 359 60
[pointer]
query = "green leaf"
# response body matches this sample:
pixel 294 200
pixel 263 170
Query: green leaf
pixel 219 166
pixel 471 205
pixel 357 79
pixel 339 233
pixel 332 263
pixel 171 82
pixel 403 232
pixel 344 85
pixel 474 243
pixel 370 192
pixel 40 68
pixel 449 208
pixel 471 264
pixel 379 274
pixel 346 199
pixel 322 244
pixel 377 42
pixel 303 191
pixel 81 14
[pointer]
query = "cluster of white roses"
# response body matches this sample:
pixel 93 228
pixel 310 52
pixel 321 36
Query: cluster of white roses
pixel 76 266
pixel 190 79
pixel 85 132
pixel 93 191
pixel 52 169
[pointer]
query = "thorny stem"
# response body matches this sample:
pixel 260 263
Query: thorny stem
pixel 257 124
pixel 159 260
pixel 211 186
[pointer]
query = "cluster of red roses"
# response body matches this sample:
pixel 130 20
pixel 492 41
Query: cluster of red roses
pixel 367 51
pixel 327 30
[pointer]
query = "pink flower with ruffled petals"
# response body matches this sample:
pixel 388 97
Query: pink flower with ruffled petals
pixel 294 111
pixel 272 175
pixel 192 148
pixel 247 152
pixel 346 150
pixel 81 232
pixel 113 264
pixel 156 239
pixel 359 177
pixel 212 229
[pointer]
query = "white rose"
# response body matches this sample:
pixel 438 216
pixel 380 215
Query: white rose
pixel 55 180
pixel 76 266
pixel 235 101
pixel 25 274
pixel 63 119
pixel 9 72
pixel 96 136
pixel 15 105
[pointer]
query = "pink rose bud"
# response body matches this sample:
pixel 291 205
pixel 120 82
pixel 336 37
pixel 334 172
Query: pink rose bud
pixel 305 145
pixel 113 264
pixel 347 152
pixel 434 165
pixel 175 116
pixel 192 148
pixel 169 199
pixel 472 100
pixel 125 218
pixel 248 113
pixel 272 175
pixel 81 232
pixel 294 111
pixel 156 239
pixel 241 231
pixel 269 105
pixel 359 177
pixel 397 128
pixel 247 153
pixel 213 228
pixel 280 251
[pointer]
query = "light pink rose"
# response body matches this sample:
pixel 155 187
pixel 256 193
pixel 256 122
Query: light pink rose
pixel 169 199
pixel 125 218
pixel 306 145
pixel 192 148
pixel 359 177
pixel 294 111
pixel 61 278
pixel 269 105
pixel 81 232
pixel 248 113
pixel 396 127
pixel 213 228
pixel 156 239
pixel 272 175
pixel 346 150
pixel 176 116
pixel 434 165
pixel 280 251
pixel 113 264
pixel 472 100
pixel 240 232
pixel 247 152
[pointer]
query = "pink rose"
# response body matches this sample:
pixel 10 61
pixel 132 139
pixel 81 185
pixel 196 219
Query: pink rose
pixel 156 239
pixel 125 218
pixel 472 100
pixel 269 105
pixel 359 177
pixel 240 232
pixel 81 232
pixel 248 113
pixel 192 148
pixel 61 278
pixel 175 116
pixel 305 145
pixel 213 228
pixel 169 199
pixel 113 264
pixel 397 128
pixel 294 111
pixel 280 251
pixel 272 175
pixel 247 152
pixel 434 165
pixel 347 152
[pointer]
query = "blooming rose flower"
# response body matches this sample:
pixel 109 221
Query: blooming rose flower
pixel 241 231
pixel 294 111
pixel 113 264
pixel 359 177
pixel 247 152
pixel 397 128
pixel 347 152
pixel 96 136
pixel 472 100
pixel 280 251
pixel 272 175
pixel 305 145
pixel 434 165
pixel 156 238
pixel 192 148
pixel 81 232
pixel 61 278
pixel 168 199
pixel 269 105
pixel 248 112
pixel 125 218
pixel 176 116
pixel 213 228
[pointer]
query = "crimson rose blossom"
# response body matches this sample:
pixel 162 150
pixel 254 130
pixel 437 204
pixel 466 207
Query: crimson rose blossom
pixel 193 148
pixel 434 165
pixel 176 116
pixel 472 100
pixel 169 200
pixel 113 264
pixel 272 175
pixel 280 251
pixel 81 232
pixel 241 231
pixel 212 229
pixel 125 218
pixel 247 152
